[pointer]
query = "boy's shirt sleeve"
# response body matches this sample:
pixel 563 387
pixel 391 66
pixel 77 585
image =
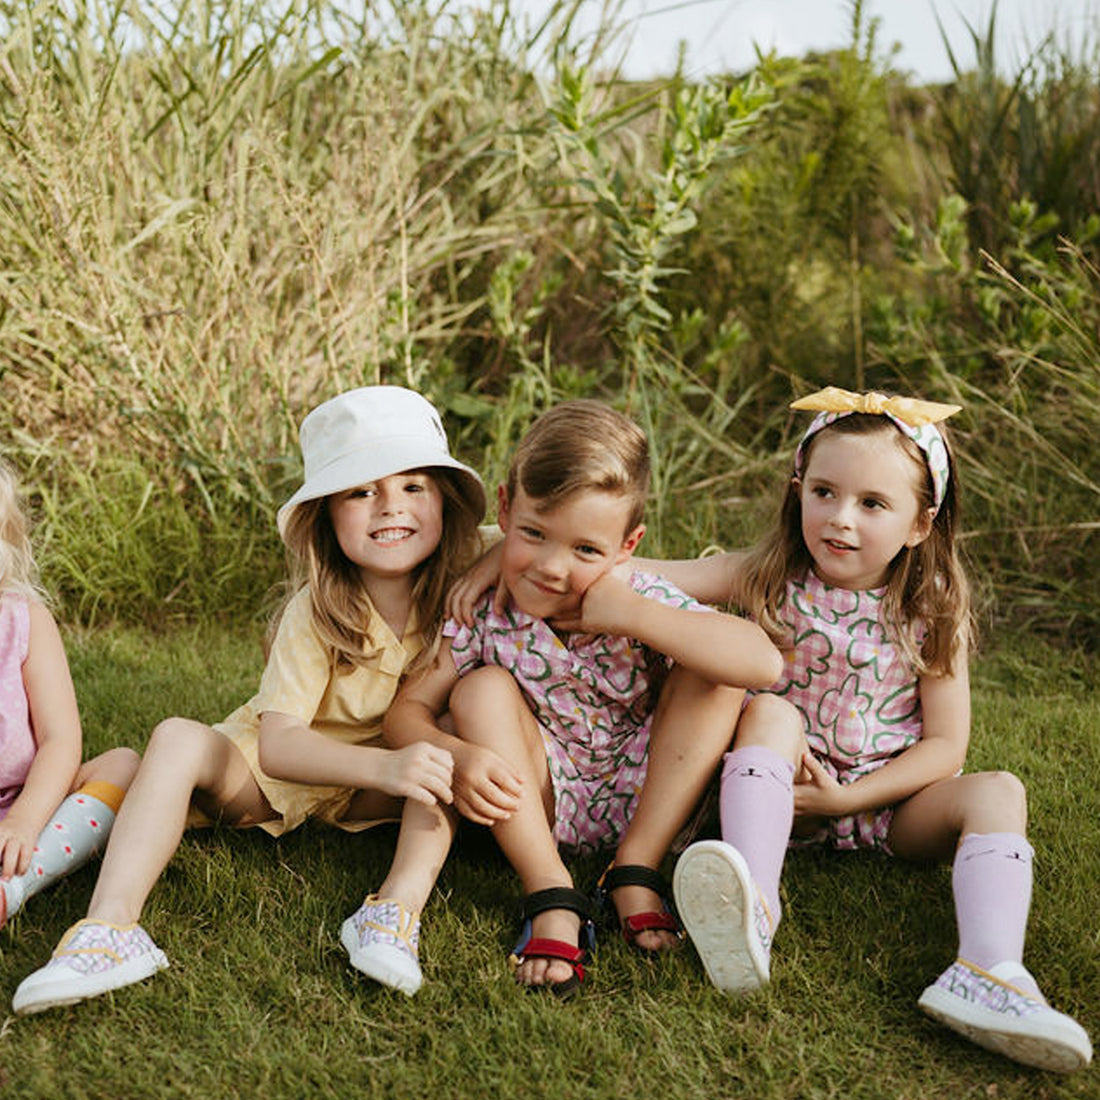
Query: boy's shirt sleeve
pixel 468 642
pixel 298 667
pixel 664 591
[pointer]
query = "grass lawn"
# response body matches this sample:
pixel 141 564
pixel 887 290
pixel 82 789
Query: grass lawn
pixel 260 1002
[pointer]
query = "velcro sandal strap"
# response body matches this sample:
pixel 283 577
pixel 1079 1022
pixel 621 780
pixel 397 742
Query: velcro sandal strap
pixel 634 874
pixel 652 921
pixel 557 897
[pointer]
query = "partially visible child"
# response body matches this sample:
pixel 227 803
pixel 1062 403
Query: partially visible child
pixel 55 813
pixel 570 684
pixel 861 742
pixel 385 521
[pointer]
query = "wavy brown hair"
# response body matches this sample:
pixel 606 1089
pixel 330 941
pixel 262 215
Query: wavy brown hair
pixel 18 571
pixel 926 585
pixel 582 445
pixel 340 604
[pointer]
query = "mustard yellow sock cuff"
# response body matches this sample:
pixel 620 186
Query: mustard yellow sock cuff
pixel 110 795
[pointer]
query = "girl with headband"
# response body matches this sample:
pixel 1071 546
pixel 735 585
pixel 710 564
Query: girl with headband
pixel 862 740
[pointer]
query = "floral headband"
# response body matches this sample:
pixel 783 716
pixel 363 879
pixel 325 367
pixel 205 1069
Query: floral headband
pixel 915 418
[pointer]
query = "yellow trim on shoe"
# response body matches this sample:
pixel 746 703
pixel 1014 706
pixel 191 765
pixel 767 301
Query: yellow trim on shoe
pixel 408 916
pixel 1000 981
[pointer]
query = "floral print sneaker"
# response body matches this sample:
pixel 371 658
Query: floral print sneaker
pixel 93 957
pixel 989 1010
pixel 724 915
pixel 382 939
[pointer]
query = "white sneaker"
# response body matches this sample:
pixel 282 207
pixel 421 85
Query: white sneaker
pixel 984 1006
pixel 724 915
pixel 382 939
pixel 93 957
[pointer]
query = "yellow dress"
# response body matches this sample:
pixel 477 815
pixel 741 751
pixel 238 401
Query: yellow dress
pixel 345 703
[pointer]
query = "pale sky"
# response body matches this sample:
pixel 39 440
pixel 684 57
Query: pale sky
pixel 720 33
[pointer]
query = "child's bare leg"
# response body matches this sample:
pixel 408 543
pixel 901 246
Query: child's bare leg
pixel 930 824
pixel 183 758
pixel 489 709
pixel 115 766
pixel 691 730
pixel 422 846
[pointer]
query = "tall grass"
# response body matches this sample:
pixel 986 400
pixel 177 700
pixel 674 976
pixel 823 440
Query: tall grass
pixel 215 214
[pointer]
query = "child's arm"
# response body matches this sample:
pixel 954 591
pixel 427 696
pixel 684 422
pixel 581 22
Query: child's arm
pixel 714 579
pixel 940 753
pixel 486 787
pixel 56 723
pixel 289 749
pixel 721 648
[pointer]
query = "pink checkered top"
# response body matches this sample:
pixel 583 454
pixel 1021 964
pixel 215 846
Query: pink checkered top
pixel 17 744
pixel 859 696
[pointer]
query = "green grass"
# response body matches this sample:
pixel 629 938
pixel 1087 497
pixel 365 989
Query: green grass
pixel 260 1001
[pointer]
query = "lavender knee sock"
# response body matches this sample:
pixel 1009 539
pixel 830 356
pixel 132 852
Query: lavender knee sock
pixel 757 808
pixel 991 881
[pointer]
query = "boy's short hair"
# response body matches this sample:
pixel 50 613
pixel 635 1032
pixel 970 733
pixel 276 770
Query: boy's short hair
pixel 582 445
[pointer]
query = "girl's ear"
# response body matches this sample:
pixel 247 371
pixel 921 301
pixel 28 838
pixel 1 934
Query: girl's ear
pixel 630 543
pixel 502 507
pixel 922 527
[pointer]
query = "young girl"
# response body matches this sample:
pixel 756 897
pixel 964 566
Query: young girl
pixel 55 813
pixel 862 739
pixel 384 522
pixel 565 685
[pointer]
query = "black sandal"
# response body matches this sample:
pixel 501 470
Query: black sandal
pixel 556 897
pixel 634 874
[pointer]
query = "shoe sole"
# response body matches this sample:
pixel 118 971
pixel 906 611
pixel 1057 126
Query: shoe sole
pixel 384 964
pixel 714 896
pixel 1052 1042
pixel 32 997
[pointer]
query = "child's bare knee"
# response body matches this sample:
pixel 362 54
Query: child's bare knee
pixel 773 722
pixel 487 685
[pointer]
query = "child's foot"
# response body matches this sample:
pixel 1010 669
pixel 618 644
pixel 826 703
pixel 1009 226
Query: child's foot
pixel 639 896
pixel 556 938
pixel 93 957
pixel 725 916
pixel 382 939
pixel 989 1010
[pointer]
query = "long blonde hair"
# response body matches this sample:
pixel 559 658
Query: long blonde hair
pixel 18 571
pixel 340 605
pixel 926 586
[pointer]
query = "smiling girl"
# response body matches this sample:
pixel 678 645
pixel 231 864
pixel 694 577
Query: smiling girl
pixel 384 523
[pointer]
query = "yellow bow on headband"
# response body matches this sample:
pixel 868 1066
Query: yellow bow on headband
pixel 909 410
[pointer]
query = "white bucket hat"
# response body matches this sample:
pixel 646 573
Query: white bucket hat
pixel 371 433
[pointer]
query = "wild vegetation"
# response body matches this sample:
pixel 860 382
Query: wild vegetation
pixel 214 215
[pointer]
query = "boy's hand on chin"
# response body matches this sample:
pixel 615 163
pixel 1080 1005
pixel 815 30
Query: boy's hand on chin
pixel 608 607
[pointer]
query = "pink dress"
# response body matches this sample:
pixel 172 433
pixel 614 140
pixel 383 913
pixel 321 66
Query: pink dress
pixel 590 696
pixel 17 744
pixel 858 694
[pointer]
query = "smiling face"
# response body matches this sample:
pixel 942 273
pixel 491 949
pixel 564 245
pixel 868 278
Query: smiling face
pixel 389 526
pixel 550 558
pixel 861 503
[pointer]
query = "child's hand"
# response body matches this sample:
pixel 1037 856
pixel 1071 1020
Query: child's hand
pixel 609 606
pixel 420 771
pixel 486 788
pixel 16 848
pixel 816 792
pixel 478 579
